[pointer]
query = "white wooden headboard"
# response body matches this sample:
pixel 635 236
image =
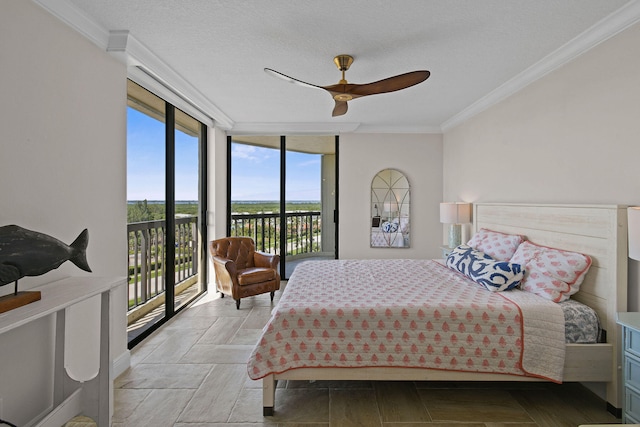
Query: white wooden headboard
pixel 599 231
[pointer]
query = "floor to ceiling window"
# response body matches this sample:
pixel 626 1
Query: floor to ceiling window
pixel 255 192
pixel 283 193
pixel 166 179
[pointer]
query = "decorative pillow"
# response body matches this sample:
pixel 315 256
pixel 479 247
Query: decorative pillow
pixel 389 227
pixel 500 246
pixel 551 273
pixel 494 275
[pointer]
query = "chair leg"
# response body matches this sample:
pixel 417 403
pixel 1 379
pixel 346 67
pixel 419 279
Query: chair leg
pixel 238 304
pixel 272 294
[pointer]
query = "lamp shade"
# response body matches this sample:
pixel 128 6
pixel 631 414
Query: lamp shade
pixel 455 213
pixel 633 217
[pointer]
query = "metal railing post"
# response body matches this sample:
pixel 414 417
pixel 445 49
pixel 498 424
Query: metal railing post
pixel 145 285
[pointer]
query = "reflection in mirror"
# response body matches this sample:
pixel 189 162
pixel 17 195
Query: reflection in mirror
pixel 390 210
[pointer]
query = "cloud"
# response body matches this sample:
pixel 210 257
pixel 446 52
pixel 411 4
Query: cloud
pixel 312 162
pixel 249 152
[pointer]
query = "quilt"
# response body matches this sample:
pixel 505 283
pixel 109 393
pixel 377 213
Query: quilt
pixel 410 314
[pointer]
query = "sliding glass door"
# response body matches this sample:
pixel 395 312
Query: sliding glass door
pixel 310 199
pixel 255 192
pixel 283 193
pixel 190 248
pixel 166 196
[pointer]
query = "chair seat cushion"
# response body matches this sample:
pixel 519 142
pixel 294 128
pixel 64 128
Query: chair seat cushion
pixel 253 275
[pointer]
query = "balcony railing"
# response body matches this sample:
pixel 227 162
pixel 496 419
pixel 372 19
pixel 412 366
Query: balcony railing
pixel 303 231
pixel 147 256
pixel 147 251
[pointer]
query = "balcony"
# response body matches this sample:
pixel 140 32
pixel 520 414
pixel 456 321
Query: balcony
pixel 303 231
pixel 146 290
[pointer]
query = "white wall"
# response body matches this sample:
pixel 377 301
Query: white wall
pixel 217 195
pixel 329 203
pixel 217 215
pixel 62 169
pixel 419 157
pixel 571 137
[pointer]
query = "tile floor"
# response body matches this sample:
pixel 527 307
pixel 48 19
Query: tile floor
pixel 192 373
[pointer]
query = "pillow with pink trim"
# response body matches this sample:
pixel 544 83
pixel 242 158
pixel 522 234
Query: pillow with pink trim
pixel 553 274
pixel 499 246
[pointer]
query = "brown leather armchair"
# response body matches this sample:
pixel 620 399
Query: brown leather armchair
pixel 241 271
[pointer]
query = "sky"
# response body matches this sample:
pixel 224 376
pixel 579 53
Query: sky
pixel 146 160
pixel 256 174
pixel 255 170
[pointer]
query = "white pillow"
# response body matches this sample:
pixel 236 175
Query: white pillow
pixel 552 273
pixel 500 246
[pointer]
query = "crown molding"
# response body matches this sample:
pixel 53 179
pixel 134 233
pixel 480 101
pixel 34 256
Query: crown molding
pixel 122 45
pixel 606 28
pixel 326 128
pixel 76 19
pixel 398 129
pixel 133 53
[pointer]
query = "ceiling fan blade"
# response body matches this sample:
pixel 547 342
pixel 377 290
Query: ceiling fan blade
pixel 391 84
pixel 340 108
pixel 284 77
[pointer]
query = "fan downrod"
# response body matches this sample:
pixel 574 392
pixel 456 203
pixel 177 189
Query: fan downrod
pixel 343 62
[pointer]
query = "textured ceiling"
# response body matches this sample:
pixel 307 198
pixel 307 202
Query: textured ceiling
pixel 471 47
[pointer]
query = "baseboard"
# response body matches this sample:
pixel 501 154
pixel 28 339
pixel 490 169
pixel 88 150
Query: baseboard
pixel 40 416
pixel 121 363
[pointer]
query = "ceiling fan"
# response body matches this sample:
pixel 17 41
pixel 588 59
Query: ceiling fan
pixel 342 92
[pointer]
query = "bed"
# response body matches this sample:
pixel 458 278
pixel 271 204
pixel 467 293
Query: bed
pixel 595 230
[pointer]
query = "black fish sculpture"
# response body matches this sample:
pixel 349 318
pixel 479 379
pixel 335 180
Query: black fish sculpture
pixel 29 253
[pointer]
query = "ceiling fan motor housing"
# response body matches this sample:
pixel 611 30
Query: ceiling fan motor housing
pixel 343 62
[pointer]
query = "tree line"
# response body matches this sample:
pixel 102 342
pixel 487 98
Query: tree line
pixel 142 210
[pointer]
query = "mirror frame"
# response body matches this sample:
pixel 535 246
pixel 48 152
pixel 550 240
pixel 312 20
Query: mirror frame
pixel 390 210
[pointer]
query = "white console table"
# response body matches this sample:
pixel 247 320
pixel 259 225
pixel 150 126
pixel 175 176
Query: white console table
pixel 70 398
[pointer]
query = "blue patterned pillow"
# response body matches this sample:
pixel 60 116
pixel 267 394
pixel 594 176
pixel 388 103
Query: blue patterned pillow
pixel 494 275
pixel 389 227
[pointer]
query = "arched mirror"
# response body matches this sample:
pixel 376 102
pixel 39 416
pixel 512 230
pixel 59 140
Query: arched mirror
pixel 390 197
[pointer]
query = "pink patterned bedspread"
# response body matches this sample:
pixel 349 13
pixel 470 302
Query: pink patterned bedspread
pixel 407 313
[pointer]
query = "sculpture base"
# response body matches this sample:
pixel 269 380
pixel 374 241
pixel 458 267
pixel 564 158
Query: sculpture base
pixel 9 302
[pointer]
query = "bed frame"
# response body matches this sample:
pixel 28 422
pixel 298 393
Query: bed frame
pixel 597 230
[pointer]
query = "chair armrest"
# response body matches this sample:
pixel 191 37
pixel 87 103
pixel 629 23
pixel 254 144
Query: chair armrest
pixel 228 265
pixel 261 259
pixel 226 274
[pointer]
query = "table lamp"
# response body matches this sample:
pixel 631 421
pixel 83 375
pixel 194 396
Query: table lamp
pixel 455 214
